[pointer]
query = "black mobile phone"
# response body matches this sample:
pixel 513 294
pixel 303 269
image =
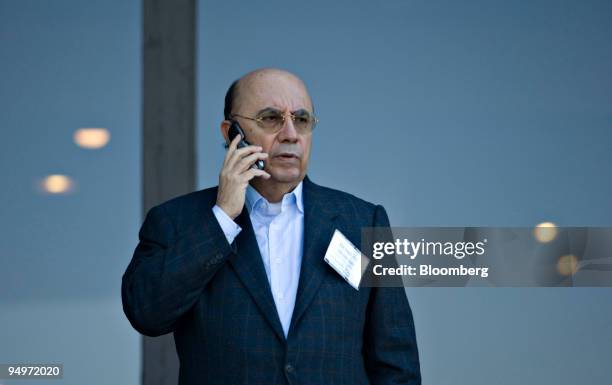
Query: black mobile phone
pixel 234 130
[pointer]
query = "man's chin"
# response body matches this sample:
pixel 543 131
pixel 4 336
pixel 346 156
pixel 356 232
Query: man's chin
pixel 286 175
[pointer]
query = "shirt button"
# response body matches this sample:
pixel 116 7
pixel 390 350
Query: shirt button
pixel 278 260
pixel 280 296
pixel 289 368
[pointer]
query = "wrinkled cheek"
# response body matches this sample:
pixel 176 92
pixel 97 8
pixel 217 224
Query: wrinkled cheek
pixel 306 156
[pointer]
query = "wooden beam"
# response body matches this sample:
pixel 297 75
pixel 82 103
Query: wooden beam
pixel 168 135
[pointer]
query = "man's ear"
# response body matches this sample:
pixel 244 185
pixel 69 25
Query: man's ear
pixel 225 125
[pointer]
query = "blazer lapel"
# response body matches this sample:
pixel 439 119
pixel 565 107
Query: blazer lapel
pixel 319 215
pixel 248 264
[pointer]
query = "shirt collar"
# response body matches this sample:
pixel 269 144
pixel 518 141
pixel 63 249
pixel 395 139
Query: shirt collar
pixel 294 197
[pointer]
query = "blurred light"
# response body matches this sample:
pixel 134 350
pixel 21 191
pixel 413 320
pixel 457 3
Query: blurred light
pixel 567 265
pixel 545 232
pixel 57 184
pixel 91 138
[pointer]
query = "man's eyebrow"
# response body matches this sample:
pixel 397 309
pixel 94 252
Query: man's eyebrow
pixel 267 109
pixel 272 109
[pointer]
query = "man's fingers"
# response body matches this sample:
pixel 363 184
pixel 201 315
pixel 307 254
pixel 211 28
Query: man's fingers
pixel 234 142
pixel 249 160
pixel 253 172
pixel 231 148
pixel 240 153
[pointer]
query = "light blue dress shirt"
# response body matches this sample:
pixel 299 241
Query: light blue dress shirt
pixel 279 229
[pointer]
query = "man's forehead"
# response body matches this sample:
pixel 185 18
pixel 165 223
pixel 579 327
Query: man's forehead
pixel 273 88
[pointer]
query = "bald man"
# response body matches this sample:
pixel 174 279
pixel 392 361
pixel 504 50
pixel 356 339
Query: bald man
pixel 236 271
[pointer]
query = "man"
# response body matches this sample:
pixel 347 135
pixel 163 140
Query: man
pixel 236 272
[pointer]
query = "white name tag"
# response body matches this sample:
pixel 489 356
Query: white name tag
pixel 346 259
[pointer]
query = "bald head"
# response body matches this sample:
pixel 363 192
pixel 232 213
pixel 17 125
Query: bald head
pixel 262 80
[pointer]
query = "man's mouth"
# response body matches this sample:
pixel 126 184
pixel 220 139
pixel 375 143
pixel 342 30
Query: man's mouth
pixel 286 155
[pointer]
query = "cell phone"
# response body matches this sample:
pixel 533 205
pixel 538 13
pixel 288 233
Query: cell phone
pixel 234 130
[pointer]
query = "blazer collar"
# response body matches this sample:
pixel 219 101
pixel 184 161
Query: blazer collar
pixel 319 215
pixel 248 264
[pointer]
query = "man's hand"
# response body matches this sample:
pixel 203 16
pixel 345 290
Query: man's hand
pixel 236 174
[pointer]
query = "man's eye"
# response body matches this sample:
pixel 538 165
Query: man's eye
pixel 301 119
pixel 271 118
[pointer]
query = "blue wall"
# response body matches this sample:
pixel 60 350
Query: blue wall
pixel 65 65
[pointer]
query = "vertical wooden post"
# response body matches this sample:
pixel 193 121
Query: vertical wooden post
pixel 168 135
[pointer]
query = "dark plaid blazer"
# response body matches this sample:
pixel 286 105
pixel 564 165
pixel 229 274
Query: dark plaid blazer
pixel 184 278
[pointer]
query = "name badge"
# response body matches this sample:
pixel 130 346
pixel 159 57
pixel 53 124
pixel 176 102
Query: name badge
pixel 346 259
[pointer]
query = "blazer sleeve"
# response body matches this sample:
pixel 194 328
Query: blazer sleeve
pixel 390 348
pixel 168 271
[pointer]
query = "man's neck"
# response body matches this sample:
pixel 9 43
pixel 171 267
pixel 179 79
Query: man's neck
pixel 272 191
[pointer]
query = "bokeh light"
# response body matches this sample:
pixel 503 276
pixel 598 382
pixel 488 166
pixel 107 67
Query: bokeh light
pixel 91 138
pixel 57 184
pixel 567 265
pixel 545 232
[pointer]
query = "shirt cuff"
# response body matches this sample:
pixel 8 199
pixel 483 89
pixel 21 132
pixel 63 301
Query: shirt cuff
pixel 229 227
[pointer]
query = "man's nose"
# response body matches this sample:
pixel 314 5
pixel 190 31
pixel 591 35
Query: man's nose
pixel 288 132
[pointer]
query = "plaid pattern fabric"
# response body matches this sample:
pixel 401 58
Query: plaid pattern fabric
pixel 185 278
